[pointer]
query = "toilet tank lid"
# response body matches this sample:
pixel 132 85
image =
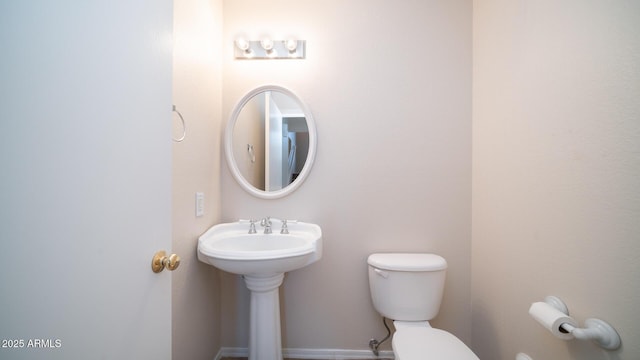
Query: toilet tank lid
pixel 407 262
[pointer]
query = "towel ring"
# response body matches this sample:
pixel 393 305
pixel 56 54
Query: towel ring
pixel 252 154
pixel 184 126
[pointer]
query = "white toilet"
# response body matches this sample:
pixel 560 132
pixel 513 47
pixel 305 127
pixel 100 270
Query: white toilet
pixel 407 288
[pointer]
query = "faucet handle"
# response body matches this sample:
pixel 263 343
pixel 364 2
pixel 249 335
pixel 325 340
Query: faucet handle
pixel 285 229
pixel 252 226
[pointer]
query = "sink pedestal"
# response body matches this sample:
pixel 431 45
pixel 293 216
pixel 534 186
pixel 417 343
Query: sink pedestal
pixel 265 336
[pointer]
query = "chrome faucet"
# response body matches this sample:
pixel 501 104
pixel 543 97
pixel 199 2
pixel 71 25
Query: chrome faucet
pixel 266 222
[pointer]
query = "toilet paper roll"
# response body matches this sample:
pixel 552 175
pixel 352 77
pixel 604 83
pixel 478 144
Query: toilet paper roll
pixel 551 318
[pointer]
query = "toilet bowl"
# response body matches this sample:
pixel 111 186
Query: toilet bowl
pixel 419 340
pixel 408 288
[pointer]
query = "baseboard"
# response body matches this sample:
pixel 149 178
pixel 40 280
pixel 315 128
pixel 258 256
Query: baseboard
pixel 334 354
pixel 318 354
pixel 232 352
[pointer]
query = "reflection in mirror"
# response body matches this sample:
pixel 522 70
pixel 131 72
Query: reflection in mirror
pixel 270 141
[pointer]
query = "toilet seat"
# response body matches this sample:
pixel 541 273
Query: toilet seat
pixel 422 343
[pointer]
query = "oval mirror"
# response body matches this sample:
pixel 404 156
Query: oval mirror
pixel 270 142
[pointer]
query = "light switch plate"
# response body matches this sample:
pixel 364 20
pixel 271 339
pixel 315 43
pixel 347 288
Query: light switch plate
pixel 199 204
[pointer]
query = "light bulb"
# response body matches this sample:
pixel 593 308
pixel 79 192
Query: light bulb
pixel 267 44
pixel 291 45
pixel 242 44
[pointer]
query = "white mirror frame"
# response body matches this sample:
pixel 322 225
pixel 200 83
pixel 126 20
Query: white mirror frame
pixel 228 147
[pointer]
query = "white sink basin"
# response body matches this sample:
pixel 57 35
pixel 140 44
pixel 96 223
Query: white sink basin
pixel 231 248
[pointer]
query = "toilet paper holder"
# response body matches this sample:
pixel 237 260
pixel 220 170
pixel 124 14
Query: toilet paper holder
pixel 596 330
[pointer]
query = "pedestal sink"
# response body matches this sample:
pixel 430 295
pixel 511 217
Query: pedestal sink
pixel 262 259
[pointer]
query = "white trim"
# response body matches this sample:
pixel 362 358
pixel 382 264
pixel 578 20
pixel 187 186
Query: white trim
pixel 232 352
pixel 318 354
pixel 334 354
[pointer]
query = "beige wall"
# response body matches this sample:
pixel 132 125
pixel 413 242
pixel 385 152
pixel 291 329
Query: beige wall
pixel 389 85
pixel 556 168
pixel 197 94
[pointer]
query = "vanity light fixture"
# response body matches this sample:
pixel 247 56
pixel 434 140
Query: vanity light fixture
pixel 268 48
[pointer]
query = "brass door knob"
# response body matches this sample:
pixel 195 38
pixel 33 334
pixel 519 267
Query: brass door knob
pixel 161 260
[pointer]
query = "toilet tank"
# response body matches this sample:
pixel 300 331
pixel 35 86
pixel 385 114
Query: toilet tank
pixel 407 287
